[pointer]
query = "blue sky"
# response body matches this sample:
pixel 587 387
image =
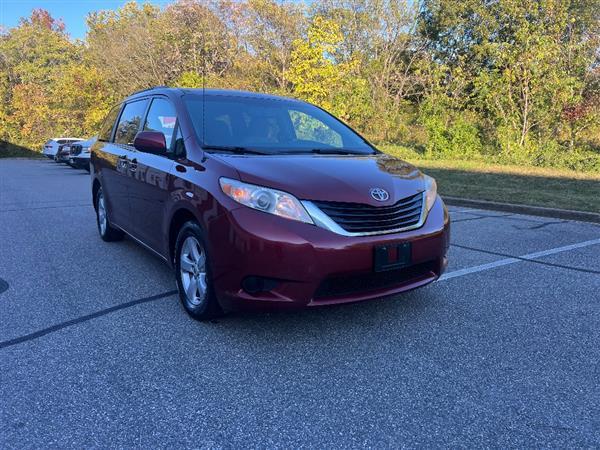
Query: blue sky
pixel 72 12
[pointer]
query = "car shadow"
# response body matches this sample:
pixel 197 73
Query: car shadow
pixel 319 325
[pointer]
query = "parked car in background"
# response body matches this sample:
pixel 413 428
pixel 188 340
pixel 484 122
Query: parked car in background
pixel 62 155
pixel 79 156
pixel 52 146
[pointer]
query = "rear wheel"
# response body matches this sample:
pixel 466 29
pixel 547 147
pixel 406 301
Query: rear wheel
pixel 107 232
pixel 192 270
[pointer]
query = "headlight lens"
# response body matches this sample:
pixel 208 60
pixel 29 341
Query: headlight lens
pixel 265 199
pixel 430 192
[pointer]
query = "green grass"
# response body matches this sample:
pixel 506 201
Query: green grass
pixel 8 150
pixel 553 188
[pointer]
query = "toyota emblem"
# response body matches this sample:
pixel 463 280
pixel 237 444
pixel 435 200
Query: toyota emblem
pixel 379 194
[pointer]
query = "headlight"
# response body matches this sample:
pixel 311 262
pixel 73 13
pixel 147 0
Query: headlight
pixel 430 192
pixel 85 149
pixel 265 199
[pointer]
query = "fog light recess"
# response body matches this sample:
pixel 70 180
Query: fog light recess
pixel 255 285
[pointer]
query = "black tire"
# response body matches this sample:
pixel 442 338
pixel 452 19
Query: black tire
pixel 207 307
pixel 108 233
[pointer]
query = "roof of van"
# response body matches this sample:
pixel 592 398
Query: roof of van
pixel 209 91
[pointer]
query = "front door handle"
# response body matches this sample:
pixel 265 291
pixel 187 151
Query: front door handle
pixel 122 163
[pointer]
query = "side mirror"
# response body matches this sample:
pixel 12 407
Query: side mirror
pixel 150 142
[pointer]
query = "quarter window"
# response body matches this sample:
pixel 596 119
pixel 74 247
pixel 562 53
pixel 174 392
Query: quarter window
pixel 130 122
pixel 162 117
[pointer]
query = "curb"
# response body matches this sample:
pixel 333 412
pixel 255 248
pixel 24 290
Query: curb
pixel 567 214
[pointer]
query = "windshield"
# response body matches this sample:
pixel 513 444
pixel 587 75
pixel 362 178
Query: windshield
pixel 270 126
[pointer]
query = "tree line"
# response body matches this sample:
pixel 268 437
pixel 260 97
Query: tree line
pixel 514 81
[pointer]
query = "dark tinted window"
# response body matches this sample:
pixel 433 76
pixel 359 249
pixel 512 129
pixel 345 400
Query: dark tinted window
pixel 130 122
pixel 108 124
pixel 270 125
pixel 162 117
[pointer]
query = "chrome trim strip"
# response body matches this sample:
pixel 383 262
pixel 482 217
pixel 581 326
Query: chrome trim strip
pixel 141 242
pixel 324 221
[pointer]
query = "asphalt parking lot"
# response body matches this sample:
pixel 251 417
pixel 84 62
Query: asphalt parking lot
pixel 96 351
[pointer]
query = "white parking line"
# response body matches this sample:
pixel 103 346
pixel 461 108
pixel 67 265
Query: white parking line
pixel 506 261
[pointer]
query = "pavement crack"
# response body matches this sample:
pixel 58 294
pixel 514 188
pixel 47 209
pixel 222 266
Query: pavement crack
pixel 537 227
pixel 479 217
pixel 87 317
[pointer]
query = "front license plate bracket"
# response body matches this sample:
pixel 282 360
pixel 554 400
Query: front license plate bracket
pixel 392 256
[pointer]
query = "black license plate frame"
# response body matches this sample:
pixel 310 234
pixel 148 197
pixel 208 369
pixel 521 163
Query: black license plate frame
pixel 392 256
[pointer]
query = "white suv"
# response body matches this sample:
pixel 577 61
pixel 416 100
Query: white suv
pixel 52 146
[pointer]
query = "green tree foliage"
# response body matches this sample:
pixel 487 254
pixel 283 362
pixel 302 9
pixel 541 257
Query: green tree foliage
pixel 507 80
pixel 314 72
pixel 267 31
pixel 30 55
pixel 519 69
pixel 321 75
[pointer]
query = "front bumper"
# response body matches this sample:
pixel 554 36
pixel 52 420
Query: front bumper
pixel 305 265
pixel 79 163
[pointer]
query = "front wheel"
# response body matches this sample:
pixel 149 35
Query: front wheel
pixel 107 232
pixel 193 274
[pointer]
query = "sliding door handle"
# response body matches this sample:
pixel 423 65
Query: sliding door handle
pixel 133 165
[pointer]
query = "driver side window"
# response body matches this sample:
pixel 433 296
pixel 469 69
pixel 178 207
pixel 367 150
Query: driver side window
pixel 162 117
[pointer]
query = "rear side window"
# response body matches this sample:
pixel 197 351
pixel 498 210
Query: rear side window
pixel 162 117
pixel 108 124
pixel 130 122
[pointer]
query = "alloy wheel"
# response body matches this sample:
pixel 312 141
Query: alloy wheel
pixel 102 220
pixel 192 264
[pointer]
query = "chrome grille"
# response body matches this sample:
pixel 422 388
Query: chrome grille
pixel 363 218
pixel 75 149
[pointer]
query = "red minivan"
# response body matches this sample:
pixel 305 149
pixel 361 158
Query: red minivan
pixel 259 201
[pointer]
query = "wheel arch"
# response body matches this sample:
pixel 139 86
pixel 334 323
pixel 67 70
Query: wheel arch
pixel 95 188
pixel 179 217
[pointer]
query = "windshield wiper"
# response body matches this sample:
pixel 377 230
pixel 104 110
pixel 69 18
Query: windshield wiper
pixel 238 150
pixel 336 151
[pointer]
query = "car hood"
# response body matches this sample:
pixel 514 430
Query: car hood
pixel 337 178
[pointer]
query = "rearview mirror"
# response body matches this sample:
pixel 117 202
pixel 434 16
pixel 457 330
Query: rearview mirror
pixel 150 142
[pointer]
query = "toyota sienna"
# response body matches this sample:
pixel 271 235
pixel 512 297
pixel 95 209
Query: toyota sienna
pixel 259 201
